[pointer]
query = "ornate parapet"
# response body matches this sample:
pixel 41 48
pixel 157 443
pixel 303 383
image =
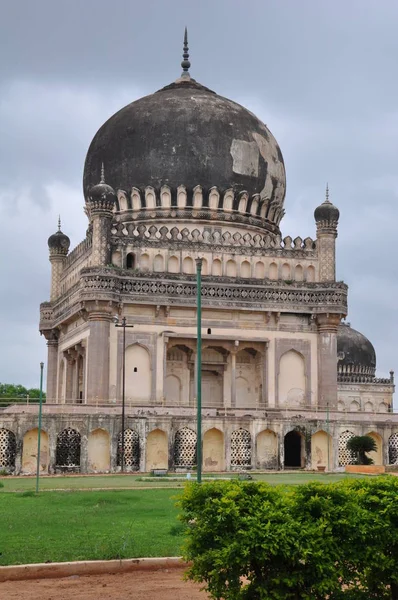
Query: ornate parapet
pixel 210 238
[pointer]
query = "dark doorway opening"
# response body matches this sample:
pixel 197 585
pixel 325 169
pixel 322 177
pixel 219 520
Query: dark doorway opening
pixel 293 449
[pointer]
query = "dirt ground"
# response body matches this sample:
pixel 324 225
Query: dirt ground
pixel 164 584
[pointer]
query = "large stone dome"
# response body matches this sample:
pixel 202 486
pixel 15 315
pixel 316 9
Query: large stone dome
pixel 186 135
pixel 355 353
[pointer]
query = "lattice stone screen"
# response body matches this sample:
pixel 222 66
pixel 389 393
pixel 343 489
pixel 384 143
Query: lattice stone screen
pixel 8 449
pixel 241 448
pixel 185 448
pixel 68 449
pixel 393 449
pixel 131 450
pixel 345 456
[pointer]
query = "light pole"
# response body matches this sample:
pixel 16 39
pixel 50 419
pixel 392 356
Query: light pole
pixel 123 324
pixel 39 432
pixel 199 262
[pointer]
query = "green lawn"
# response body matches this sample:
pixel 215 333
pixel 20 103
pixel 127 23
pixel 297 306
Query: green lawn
pixel 61 526
pixel 114 523
pixel 19 484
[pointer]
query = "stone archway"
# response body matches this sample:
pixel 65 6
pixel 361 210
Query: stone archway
pixel 213 450
pixel 29 451
pixel 157 452
pixel 294 450
pixel 99 451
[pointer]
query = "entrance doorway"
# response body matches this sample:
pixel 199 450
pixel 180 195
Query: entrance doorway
pixel 293 443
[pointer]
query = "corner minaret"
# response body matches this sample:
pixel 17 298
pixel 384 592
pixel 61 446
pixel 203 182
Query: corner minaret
pixel 101 202
pixel 58 245
pixel 326 218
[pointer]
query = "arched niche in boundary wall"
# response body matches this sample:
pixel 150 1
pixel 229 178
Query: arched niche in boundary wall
pixel 138 374
pixel 213 450
pixel 319 450
pixel 99 451
pixel 378 455
pixel 266 450
pixel 157 452
pixel 29 451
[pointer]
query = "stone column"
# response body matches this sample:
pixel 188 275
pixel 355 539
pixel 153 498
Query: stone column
pixel 52 367
pixel 98 357
pixel 264 399
pixel 327 360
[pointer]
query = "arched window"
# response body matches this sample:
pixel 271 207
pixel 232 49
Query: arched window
pixel 241 448
pixel 346 457
pixel 131 450
pixel 8 450
pixel 185 448
pixel 67 453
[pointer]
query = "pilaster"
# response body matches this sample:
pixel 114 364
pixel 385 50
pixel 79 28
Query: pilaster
pixel 327 360
pixel 98 355
pixel 52 364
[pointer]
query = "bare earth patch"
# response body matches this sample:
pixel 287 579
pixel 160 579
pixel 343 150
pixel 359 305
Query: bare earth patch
pixel 162 584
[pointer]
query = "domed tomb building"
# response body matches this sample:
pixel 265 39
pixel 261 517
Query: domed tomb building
pixel 179 175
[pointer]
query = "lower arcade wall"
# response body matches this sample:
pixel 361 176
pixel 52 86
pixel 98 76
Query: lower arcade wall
pixel 92 443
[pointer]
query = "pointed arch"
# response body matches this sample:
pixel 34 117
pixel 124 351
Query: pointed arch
pixel 157 451
pixel 213 450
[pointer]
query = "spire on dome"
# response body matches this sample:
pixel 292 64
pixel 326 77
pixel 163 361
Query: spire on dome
pixel 102 180
pixel 185 54
pixel 327 193
pixel 59 222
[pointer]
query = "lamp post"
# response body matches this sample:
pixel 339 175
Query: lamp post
pixel 199 262
pixel 123 324
pixel 39 432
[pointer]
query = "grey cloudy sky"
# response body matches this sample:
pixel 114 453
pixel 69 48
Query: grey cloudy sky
pixel 320 74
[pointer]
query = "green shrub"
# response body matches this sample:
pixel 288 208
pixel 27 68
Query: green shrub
pixel 1 484
pixel 248 540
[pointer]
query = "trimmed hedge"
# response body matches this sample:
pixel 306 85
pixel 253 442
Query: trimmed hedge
pixel 249 540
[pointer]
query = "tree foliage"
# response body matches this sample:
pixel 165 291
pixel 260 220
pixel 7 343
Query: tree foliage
pixel 15 391
pixel 360 445
pixel 255 541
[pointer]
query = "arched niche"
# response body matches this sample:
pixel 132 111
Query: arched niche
pixel 245 269
pixel 298 273
pixel 158 263
pixel 321 450
pixel 130 260
pixel 99 451
pixel 138 374
pixel 29 451
pixel 241 449
pixel 185 448
pixel 8 450
pixel 267 450
pixel 216 267
pixel 213 450
pixel 286 272
pixel 67 454
pixel 231 268
pixel 292 379
pixel 346 457
pixel 117 258
pixel 173 265
pixel 310 274
pixel 144 262
pixel 273 271
pixel 188 265
pixel 157 452
pixel 376 456
pixel 259 270
pixel 172 390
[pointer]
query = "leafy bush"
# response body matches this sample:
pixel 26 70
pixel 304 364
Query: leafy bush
pixel 1 484
pixel 359 445
pixel 254 541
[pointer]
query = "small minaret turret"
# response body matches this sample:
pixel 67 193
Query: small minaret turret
pixel 58 245
pixel 326 218
pixel 101 202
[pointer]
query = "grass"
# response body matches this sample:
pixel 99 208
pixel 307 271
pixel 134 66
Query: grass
pixel 88 526
pixel 92 525
pixel 114 482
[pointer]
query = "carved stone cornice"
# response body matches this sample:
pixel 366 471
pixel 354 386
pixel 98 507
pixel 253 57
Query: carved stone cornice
pixel 329 322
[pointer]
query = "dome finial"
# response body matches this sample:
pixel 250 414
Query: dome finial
pixel 102 180
pixel 327 193
pixel 185 54
pixel 59 222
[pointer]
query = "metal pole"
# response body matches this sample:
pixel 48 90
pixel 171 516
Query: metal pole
pixel 39 432
pixel 123 388
pixel 199 262
pixel 327 430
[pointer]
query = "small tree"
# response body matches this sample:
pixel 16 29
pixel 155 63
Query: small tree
pixel 360 445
